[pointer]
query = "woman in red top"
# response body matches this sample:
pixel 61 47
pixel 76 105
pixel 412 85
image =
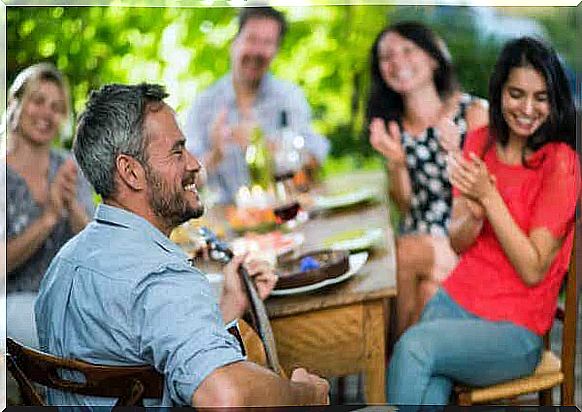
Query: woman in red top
pixel 516 189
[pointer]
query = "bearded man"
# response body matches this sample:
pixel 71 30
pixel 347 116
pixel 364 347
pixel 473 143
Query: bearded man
pixel 121 293
pixel 219 120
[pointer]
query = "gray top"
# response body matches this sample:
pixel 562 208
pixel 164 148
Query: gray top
pixel 274 95
pixel 121 293
pixel 22 210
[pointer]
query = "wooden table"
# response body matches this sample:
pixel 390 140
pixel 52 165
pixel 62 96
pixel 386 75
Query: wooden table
pixel 341 330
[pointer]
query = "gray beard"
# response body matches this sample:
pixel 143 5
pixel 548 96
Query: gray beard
pixel 167 204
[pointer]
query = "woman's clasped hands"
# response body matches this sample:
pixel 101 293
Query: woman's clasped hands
pixel 63 189
pixel 472 179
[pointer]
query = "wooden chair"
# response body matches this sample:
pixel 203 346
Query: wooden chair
pixel 129 384
pixel 551 371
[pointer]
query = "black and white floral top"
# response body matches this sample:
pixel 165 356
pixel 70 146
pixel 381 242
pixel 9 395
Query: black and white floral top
pixel 22 210
pixel 430 203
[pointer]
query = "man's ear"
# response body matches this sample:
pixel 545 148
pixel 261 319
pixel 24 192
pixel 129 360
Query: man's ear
pixel 131 172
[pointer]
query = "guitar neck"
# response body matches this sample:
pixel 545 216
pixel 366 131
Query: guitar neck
pixel 262 323
pixel 219 251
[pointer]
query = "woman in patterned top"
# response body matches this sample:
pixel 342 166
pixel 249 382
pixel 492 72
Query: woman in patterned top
pixel 47 201
pixel 417 115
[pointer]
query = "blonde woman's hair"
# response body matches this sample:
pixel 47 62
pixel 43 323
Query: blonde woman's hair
pixel 20 88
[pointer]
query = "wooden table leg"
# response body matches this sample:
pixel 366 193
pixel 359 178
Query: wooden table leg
pixel 374 346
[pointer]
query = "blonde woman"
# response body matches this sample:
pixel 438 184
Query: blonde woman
pixel 48 201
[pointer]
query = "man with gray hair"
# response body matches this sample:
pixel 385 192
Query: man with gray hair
pixel 121 293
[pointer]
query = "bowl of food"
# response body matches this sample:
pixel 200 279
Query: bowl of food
pixel 243 220
pixel 311 268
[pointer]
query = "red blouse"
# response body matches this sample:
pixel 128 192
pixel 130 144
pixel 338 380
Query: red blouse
pixel 544 195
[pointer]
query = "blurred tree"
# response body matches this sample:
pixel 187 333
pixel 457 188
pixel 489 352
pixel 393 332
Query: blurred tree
pixel 326 51
pixel 186 49
pixel 96 45
pixel 562 25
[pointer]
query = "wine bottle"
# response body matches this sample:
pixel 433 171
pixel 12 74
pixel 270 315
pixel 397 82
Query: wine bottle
pixel 258 160
pixel 292 163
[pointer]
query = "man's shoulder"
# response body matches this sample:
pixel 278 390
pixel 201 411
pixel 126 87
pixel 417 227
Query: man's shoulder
pixel 216 89
pixel 120 253
pixel 117 265
pixel 282 86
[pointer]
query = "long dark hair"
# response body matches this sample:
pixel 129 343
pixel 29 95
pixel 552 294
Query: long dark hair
pixel 561 123
pixel 383 101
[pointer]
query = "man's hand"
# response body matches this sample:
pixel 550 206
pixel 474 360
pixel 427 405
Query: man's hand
pixel 321 385
pixel 248 384
pixel 219 132
pixel 234 301
pixel 263 275
pixel 241 133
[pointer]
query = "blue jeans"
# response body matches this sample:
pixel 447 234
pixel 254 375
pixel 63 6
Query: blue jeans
pixel 450 345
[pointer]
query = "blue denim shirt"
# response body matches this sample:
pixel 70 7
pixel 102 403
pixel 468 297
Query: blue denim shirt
pixel 121 293
pixel 273 96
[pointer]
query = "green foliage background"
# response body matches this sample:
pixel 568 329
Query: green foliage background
pixel 326 51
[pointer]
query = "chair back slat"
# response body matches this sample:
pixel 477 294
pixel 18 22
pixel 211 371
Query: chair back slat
pixel 569 331
pixel 99 380
pixel 27 389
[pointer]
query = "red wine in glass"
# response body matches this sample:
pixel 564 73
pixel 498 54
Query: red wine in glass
pixel 286 212
pixel 283 176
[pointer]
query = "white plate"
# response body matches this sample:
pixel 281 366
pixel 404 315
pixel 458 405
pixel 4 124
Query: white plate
pixel 241 245
pixel 298 239
pixel 368 239
pixel 356 262
pixel 343 200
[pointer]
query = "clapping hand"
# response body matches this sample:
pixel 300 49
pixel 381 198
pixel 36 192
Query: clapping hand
pixel 387 142
pixel 63 189
pixel 219 130
pixel 67 176
pixel 221 133
pixel 449 135
pixel 241 133
pixel 470 177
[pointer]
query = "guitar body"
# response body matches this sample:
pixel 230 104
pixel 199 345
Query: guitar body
pixel 254 346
